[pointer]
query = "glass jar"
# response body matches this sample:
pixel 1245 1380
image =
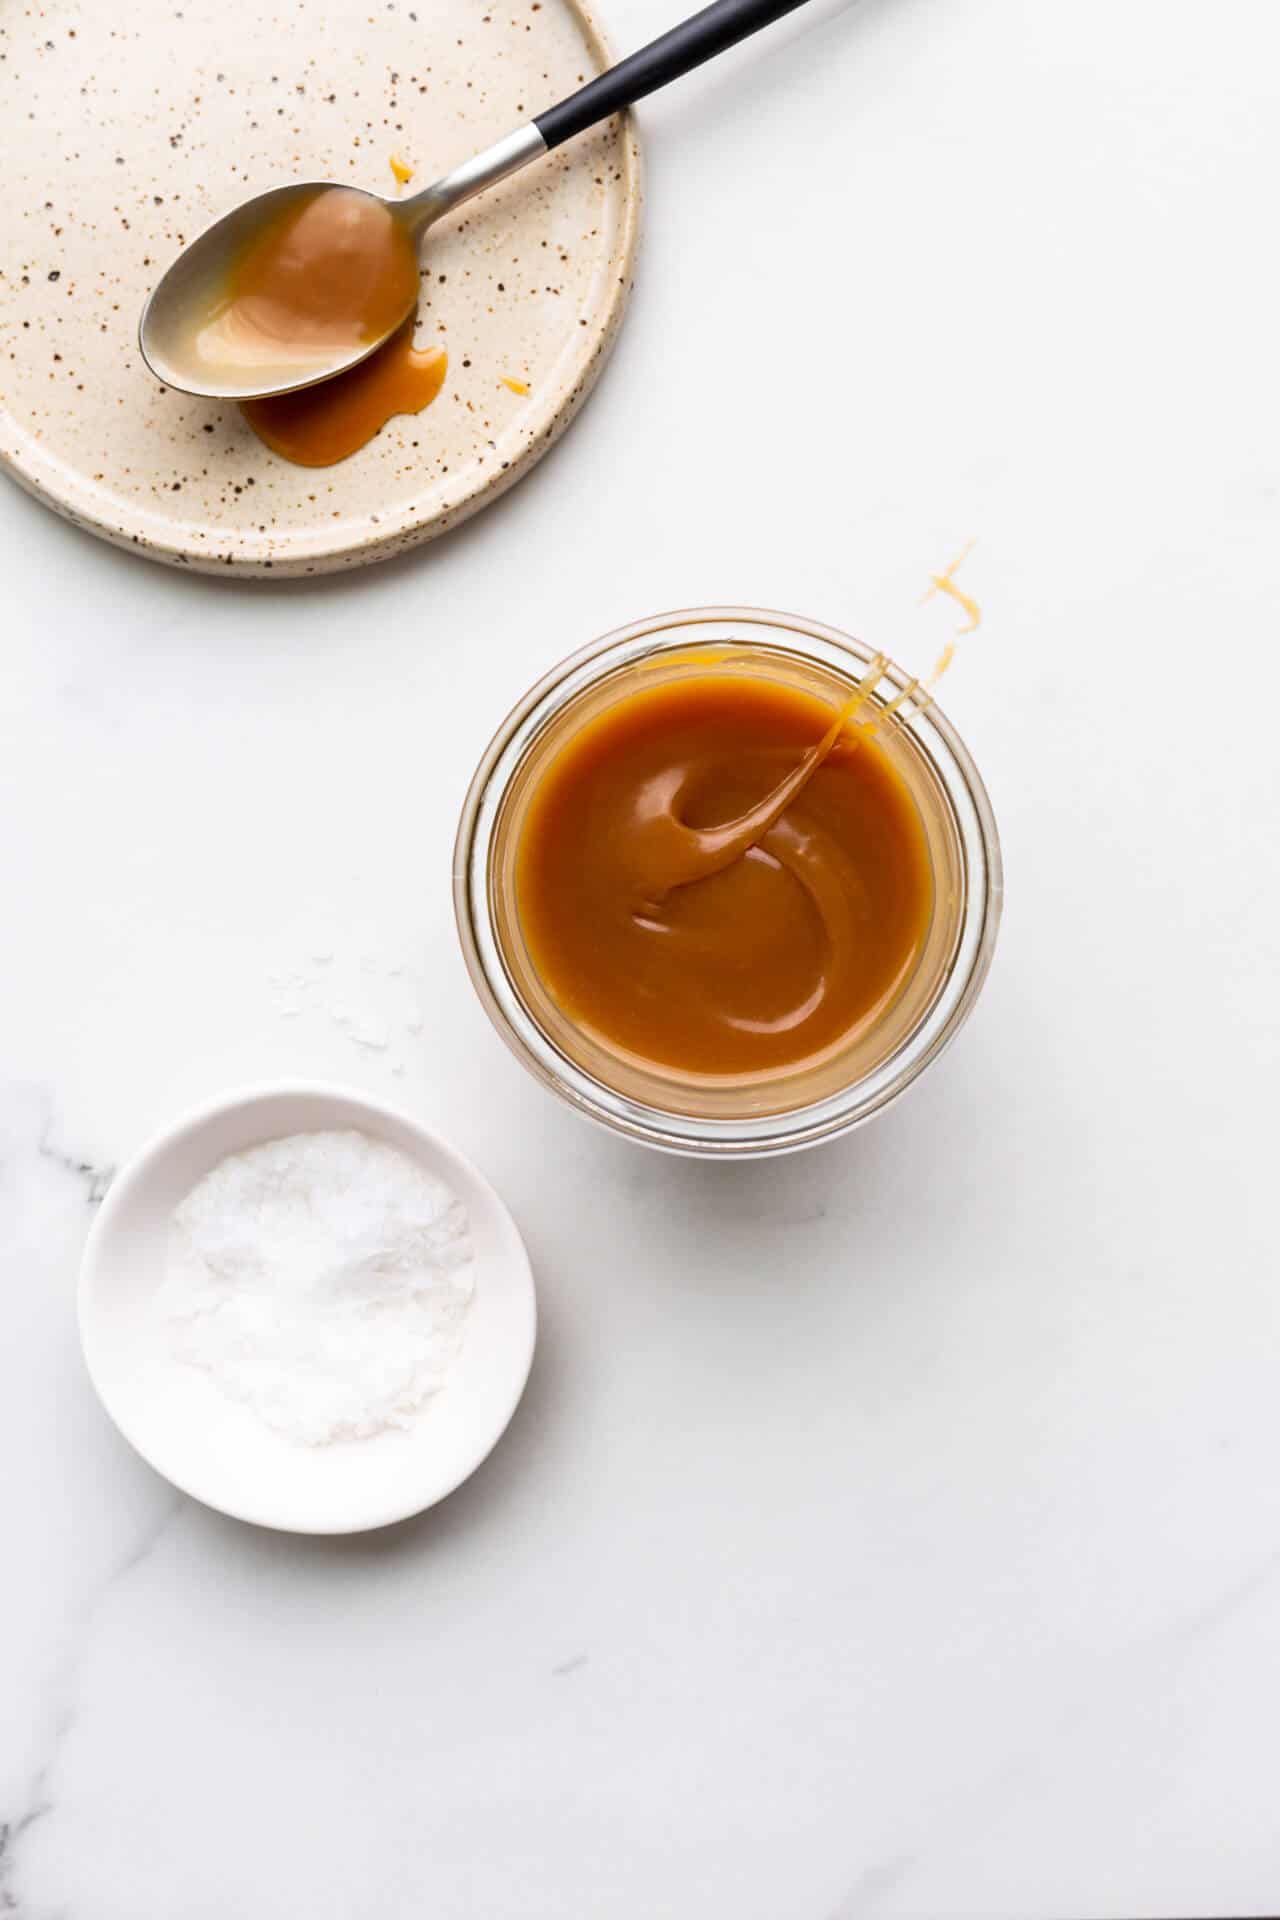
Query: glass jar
pixel 739 1118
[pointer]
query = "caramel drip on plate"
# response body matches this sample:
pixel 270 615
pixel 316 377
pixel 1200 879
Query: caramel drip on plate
pixel 322 424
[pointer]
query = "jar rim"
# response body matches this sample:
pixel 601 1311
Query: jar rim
pixel 760 1135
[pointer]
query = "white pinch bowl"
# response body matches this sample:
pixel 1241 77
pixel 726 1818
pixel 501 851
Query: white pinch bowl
pixel 217 1449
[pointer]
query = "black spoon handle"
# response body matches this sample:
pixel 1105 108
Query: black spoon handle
pixel 685 47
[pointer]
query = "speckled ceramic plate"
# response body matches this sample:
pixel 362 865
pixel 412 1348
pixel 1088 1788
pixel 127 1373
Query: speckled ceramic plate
pixel 129 129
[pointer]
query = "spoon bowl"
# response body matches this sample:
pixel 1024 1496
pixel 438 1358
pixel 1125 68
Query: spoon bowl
pixel 170 336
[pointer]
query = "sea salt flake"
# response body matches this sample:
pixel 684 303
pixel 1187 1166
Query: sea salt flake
pixel 324 1280
pixel 369 1031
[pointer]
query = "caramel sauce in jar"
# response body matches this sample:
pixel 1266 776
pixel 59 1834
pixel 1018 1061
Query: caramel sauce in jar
pixel 727 882
pixel 718 879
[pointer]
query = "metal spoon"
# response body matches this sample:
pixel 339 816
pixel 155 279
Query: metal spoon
pixel 170 320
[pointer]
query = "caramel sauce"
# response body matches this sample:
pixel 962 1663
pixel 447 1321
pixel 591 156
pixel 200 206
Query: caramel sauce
pixel 946 583
pixel 721 877
pixel 322 424
pixel 322 279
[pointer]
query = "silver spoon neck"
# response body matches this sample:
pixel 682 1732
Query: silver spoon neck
pixel 508 155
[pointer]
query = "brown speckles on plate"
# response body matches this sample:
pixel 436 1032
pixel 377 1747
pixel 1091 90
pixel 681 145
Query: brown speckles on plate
pixel 194 126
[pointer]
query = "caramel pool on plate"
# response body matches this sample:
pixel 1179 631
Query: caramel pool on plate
pixel 318 426
pixel 727 955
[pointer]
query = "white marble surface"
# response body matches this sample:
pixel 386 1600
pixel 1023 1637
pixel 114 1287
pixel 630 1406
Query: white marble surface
pixel 889 1531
